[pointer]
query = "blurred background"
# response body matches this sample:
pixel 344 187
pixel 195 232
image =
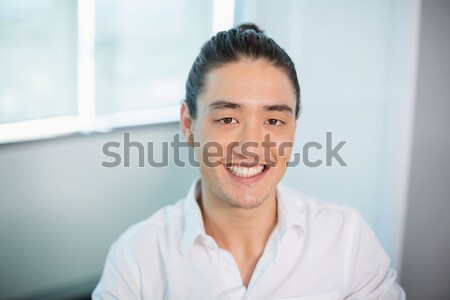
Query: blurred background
pixel 75 75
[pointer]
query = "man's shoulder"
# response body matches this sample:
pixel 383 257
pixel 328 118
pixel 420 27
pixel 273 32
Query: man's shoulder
pixel 317 210
pixel 167 219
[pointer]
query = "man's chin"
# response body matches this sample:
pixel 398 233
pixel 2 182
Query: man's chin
pixel 246 200
pixel 246 205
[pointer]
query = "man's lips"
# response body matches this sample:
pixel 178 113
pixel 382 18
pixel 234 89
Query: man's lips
pixel 250 164
pixel 246 170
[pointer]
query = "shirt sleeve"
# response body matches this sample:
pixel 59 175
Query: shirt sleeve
pixel 368 275
pixel 120 278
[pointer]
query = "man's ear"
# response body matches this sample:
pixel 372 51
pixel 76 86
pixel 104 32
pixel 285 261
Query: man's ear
pixel 186 124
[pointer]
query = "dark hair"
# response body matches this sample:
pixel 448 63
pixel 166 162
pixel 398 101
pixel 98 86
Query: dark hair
pixel 245 41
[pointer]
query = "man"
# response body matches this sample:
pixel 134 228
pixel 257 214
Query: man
pixel 238 234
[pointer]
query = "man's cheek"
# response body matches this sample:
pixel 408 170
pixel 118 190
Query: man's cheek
pixel 210 154
pixel 284 149
pixel 228 149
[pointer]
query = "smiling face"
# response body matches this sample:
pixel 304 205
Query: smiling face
pixel 247 109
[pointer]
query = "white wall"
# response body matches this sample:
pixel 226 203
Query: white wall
pixel 60 210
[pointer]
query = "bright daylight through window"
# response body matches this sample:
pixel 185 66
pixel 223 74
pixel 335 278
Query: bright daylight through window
pixel 85 66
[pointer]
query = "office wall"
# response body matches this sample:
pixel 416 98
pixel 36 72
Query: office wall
pixel 426 265
pixel 60 210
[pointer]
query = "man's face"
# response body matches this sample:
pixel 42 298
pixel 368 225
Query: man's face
pixel 248 110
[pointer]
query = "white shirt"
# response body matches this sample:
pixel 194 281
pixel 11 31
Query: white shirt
pixel 316 251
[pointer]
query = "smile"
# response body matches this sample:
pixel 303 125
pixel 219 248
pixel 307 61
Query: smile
pixel 245 172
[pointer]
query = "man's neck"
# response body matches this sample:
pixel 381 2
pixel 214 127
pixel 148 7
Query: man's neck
pixel 238 230
pixel 243 232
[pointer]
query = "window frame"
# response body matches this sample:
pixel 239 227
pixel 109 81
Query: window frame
pixel 86 121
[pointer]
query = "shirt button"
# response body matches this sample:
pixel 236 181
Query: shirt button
pixel 228 269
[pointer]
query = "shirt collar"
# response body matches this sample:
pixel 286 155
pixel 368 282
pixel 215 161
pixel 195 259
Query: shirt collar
pixel 291 213
pixel 193 221
pixel 291 209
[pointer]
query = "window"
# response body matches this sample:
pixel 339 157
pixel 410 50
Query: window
pixel 141 58
pixel 82 66
pixel 37 59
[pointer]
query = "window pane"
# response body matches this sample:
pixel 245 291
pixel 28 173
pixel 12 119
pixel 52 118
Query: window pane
pixel 144 50
pixel 37 59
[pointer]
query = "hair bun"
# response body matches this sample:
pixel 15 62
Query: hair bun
pixel 249 26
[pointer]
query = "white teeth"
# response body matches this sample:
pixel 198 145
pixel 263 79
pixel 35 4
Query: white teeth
pixel 245 172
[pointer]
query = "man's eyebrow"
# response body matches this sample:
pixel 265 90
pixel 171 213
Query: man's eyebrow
pixel 279 107
pixel 222 104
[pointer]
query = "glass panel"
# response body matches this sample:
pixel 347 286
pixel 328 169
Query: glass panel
pixel 144 50
pixel 37 59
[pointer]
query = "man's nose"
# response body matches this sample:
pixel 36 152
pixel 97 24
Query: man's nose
pixel 250 141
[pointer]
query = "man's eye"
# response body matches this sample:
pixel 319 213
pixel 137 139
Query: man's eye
pixel 228 121
pixel 274 122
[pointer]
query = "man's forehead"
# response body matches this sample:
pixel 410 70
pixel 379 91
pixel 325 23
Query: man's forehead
pixel 256 79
